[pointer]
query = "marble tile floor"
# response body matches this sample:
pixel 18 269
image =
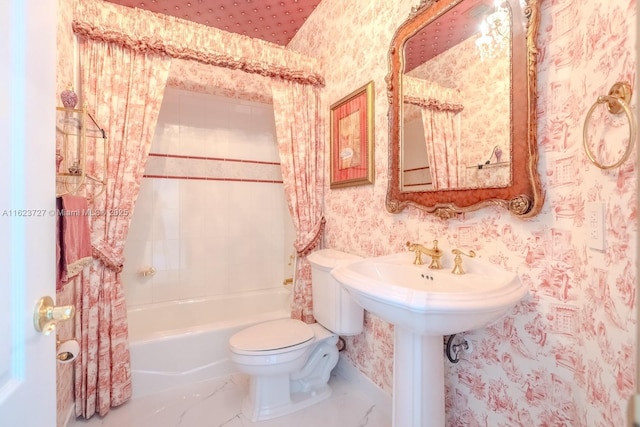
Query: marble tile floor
pixel 217 402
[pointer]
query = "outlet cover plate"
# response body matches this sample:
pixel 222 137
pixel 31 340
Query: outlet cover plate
pixel 595 225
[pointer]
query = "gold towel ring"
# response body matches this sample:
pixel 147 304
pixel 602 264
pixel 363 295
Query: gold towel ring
pixel 617 102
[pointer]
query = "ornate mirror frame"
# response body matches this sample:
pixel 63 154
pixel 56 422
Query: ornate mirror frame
pixel 524 197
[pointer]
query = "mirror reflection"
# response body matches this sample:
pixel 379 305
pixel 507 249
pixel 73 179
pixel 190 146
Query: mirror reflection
pixel 456 91
pixel 473 97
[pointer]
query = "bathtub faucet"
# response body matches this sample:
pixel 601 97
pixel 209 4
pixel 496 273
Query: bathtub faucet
pixel 434 253
pixel 147 272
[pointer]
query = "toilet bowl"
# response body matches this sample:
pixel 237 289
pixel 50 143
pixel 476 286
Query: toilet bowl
pixel 289 374
pixel 289 362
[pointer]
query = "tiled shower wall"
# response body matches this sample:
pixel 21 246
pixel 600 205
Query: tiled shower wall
pixel 211 217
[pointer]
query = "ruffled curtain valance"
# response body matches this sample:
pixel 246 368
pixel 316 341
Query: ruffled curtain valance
pixel 430 95
pixel 142 30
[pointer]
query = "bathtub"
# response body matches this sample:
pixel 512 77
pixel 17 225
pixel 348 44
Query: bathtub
pixel 183 342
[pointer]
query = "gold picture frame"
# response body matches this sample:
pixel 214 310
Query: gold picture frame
pixel 352 142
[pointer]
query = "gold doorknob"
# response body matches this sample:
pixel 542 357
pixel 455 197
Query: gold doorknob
pixel 46 315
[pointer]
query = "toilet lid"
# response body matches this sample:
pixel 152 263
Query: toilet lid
pixel 272 335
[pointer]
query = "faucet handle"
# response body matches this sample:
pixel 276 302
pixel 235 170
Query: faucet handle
pixel 413 248
pixel 457 261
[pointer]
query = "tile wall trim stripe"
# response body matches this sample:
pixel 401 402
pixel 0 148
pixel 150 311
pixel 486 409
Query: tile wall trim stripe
pixel 204 178
pixel 218 159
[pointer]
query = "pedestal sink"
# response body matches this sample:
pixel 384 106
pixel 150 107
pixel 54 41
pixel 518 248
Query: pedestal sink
pixel 424 305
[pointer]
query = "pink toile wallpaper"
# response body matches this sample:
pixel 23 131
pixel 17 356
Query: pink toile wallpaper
pixel 566 355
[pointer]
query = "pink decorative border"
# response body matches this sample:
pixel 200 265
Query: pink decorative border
pixel 204 178
pixel 214 159
pixel 222 159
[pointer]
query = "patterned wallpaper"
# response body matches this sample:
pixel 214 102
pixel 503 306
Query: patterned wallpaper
pixel 565 356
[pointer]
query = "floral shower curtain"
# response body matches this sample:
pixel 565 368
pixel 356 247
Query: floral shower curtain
pixel 439 108
pixel 298 130
pixel 442 136
pixel 124 58
pixel 124 87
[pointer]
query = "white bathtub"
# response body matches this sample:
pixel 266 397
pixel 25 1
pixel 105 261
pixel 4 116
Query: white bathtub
pixel 178 343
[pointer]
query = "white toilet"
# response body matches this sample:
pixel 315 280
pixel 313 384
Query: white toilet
pixel 289 362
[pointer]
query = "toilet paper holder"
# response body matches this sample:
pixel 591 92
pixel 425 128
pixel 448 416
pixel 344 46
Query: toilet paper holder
pixel 67 351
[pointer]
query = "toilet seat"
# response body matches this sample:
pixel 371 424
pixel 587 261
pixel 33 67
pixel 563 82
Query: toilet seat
pixel 271 337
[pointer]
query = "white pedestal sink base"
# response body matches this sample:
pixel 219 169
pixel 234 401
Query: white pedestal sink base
pixel 418 380
pixel 422 312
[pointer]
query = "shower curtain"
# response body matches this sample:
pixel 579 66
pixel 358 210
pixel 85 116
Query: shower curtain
pixel 439 108
pixel 298 130
pixel 126 104
pixel 442 136
pixel 124 66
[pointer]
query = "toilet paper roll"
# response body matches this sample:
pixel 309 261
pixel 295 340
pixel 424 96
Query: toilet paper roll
pixel 68 351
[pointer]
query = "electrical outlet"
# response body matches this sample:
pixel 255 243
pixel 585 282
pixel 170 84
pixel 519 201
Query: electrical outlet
pixel 595 225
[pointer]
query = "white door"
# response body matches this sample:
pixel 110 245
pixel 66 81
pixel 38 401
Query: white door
pixel 27 195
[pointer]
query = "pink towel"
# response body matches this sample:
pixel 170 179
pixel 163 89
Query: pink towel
pixel 73 246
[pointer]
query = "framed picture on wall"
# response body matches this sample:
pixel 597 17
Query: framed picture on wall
pixel 351 127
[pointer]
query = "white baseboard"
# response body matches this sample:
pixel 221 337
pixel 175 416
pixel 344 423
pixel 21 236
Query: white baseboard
pixel 349 372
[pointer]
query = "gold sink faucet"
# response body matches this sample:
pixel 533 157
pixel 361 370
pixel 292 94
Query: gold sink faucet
pixel 434 253
pixel 457 261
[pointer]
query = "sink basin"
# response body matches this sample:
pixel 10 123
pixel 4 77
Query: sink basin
pixel 423 305
pixel 431 302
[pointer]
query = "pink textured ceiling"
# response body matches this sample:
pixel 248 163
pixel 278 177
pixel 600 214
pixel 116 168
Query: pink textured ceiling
pixel 453 27
pixel 276 21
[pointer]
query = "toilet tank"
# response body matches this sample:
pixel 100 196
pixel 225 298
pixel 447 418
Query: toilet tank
pixel 333 307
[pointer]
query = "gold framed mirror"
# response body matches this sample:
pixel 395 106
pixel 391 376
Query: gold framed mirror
pixel 462 92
